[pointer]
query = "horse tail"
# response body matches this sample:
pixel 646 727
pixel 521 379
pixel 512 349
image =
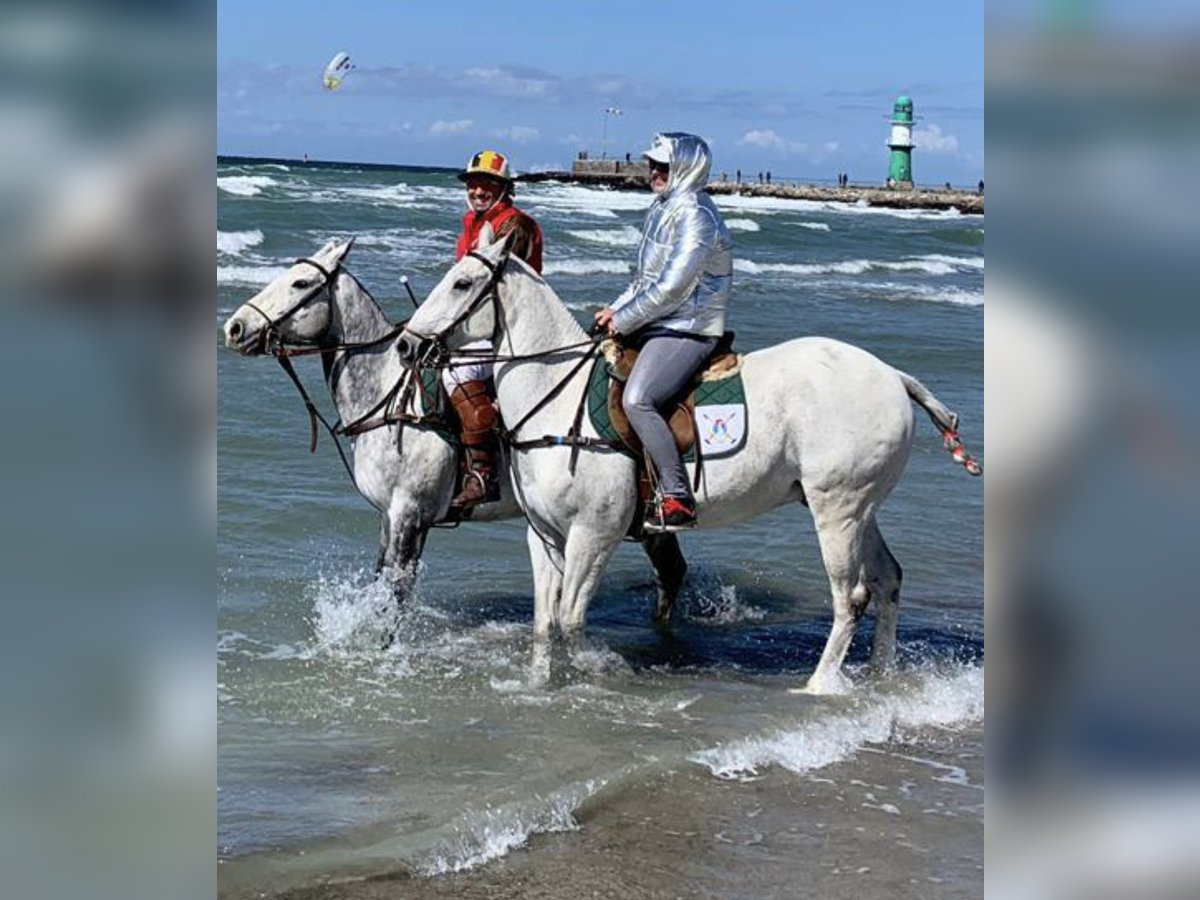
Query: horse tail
pixel 943 419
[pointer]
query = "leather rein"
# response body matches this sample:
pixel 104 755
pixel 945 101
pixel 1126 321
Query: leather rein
pixel 438 351
pixel 270 341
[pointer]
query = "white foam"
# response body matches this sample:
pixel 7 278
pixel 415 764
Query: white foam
pixel 233 242
pixel 714 603
pixel 959 262
pixel 252 275
pixel 586 267
pixel 491 833
pixel 619 237
pixel 929 264
pixel 244 185
pixel 946 699
pixel 775 205
pixel 930 293
pixel 811 226
pixel 741 225
pixel 585 200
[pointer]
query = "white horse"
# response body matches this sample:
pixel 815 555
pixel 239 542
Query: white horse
pixel 407 471
pixel 830 426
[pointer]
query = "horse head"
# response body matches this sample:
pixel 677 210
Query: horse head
pixel 461 307
pixel 294 309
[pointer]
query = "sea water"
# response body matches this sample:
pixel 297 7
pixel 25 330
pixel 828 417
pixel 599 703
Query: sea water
pixel 437 758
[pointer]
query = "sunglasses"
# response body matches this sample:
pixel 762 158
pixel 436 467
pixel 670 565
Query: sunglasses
pixel 659 166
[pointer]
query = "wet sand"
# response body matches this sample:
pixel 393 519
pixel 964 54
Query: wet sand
pixel 900 821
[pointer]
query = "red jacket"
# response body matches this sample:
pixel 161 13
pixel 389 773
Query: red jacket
pixel 503 218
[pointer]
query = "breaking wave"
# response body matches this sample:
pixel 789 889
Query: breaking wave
pixel 936 697
pixel 488 834
pixel 619 237
pixel 234 242
pixel 741 225
pixel 586 267
pixel 252 275
pixel 930 264
pixel 244 185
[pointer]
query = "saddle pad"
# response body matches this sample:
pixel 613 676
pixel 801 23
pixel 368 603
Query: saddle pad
pixel 721 423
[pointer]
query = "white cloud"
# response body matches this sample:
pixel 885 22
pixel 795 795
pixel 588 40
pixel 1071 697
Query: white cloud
pixel 930 139
pixel 832 146
pixel 506 82
pixel 442 129
pixel 769 140
pixel 518 134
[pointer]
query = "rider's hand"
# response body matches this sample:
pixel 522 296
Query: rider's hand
pixel 604 321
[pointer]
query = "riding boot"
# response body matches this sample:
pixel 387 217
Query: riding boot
pixel 478 417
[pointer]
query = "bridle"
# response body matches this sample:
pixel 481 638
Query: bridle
pixel 270 341
pixel 433 350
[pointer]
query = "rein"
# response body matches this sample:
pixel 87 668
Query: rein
pixel 573 438
pixel 272 343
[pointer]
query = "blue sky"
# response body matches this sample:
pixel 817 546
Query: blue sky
pixel 802 89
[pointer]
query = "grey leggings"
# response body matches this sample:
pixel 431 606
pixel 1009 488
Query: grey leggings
pixel 663 368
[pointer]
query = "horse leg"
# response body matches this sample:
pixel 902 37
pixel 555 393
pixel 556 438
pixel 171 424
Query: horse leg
pixel 587 553
pixel 669 570
pixel 402 540
pixel 841 538
pixel 883 580
pixel 547 563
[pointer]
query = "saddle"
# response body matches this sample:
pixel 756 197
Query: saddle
pixel 722 363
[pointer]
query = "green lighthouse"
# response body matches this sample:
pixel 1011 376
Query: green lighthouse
pixel 901 144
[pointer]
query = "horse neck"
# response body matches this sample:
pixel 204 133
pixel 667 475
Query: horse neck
pixel 535 321
pixel 357 377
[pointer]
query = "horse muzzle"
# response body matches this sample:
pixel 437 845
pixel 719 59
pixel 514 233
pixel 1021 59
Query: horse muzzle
pixel 413 348
pixel 244 339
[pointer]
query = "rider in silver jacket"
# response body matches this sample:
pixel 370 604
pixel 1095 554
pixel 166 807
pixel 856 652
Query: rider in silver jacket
pixel 674 310
pixel 685 262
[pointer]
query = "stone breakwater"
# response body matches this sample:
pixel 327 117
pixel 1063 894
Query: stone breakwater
pixel 916 198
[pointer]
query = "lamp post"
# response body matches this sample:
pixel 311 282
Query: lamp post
pixel 608 111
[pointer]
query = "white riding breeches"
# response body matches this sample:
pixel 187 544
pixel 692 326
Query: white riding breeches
pixel 466 369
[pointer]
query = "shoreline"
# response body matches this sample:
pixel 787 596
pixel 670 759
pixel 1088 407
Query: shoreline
pixel 896 820
pixel 966 202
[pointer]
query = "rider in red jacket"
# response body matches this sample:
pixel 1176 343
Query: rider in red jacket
pixel 490 216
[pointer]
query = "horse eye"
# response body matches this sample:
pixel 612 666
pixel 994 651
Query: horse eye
pixel 301 283
pixel 462 284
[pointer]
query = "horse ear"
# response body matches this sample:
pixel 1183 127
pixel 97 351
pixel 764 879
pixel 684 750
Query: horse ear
pixel 344 250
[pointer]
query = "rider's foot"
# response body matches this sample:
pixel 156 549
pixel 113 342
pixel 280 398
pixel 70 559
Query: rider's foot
pixel 479 486
pixel 672 514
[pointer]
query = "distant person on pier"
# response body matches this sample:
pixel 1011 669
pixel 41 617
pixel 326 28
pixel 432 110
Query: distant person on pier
pixel 760 178
pixel 674 311
pixel 981 186
pixel 739 176
pixel 768 176
pixel 490 216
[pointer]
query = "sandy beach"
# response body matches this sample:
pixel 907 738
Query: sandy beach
pixel 896 822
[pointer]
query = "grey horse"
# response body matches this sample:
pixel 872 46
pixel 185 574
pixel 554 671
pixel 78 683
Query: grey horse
pixel 407 471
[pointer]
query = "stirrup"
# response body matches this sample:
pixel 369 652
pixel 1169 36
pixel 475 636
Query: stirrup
pixel 669 514
pixel 488 490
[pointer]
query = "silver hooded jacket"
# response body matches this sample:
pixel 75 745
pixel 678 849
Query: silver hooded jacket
pixel 685 262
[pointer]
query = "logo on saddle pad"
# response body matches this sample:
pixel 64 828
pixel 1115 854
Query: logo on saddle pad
pixel 721 426
pixel 714 413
